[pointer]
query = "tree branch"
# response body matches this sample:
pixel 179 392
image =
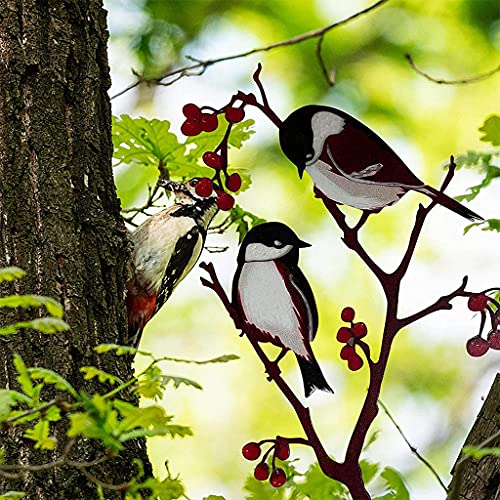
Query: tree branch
pixel 462 81
pixel 202 66
pixel 412 448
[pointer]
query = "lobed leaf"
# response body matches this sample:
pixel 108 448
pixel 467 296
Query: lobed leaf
pixel 40 434
pixel 11 273
pixel 53 378
pixel 394 482
pixel 486 225
pixel 119 349
pixel 53 307
pixel 178 381
pixel 491 129
pixel 103 377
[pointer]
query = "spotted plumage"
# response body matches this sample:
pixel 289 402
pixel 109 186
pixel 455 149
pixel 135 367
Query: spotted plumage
pixel 166 247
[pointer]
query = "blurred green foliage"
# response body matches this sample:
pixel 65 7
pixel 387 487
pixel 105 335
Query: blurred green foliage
pixel 431 383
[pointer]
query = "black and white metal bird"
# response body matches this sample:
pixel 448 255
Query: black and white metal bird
pixel 271 294
pixel 349 163
pixel 166 247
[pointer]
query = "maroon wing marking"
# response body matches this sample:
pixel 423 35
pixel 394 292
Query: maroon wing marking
pixel 299 305
pixel 357 147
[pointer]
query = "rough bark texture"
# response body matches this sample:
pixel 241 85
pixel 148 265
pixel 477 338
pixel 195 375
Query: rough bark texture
pixel 59 215
pixel 480 479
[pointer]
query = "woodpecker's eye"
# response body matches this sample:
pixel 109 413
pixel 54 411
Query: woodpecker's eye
pixel 309 156
pixel 278 244
pixel 193 182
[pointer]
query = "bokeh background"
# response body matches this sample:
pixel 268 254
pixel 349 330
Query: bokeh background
pixel 432 386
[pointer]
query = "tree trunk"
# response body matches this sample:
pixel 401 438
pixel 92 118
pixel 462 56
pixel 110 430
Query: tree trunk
pixel 480 479
pixel 60 217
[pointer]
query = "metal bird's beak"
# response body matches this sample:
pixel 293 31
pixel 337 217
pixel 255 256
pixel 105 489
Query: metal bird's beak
pixel 301 169
pixel 302 244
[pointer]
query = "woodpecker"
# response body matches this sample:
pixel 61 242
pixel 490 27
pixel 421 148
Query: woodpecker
pixel 349 163
pixel 271 293
pixel 166 247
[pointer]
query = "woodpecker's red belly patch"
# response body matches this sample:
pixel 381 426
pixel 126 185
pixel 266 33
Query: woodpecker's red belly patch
pixel 140 309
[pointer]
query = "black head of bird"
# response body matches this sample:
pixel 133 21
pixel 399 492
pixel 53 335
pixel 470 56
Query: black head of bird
pixel 269 241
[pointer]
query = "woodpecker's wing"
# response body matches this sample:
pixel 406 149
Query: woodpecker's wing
pixel 186 252
pixel 359 153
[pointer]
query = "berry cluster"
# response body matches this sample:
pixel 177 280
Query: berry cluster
pixel 198 121
pixel 351 336
pixel 482 303
pixel 281 447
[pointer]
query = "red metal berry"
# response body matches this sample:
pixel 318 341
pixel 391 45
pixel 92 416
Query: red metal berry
pixel 233 182
pixel 494 340
pixel 282 450
pixel 234 115
pixel 251 451
pixel 278 478
pixel 477 346
pixel 347 352
pixel 359 330
pixel 190 128
pixel 344 334
pixel 191 111
pixel 478 302
pixel 347 314
pixel 204 187
pixel 261 472
pixel 212 160
pixel 355 362
pixel 209 122
pixel 225 201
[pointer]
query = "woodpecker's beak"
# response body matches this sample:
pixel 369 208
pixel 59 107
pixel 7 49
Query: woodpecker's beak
pixel 302 244
pixel 173 186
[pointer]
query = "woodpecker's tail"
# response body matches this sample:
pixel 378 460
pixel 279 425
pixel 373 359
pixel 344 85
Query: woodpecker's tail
pixel 312 376
pixel 450 203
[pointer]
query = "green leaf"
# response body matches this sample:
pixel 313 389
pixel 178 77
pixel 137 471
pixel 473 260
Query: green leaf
pixel 491 129
pixel 490 173
pixel 40 434
pixel 46 325
pixel 478 453
pixel 475 159
pixel 177 381
pixel 119 349
pixel 9 399
pixel 26 301
pixel 486 225
pixel 374 436
pixel 23 377
pixel 53 378
pixel 396 488
pixel 139 141
pixel 317 486
pixel 150 385
pixel 214 497
pixel 220 359
pixel 103 377
pixel 168 489
pixel 368 470
pixel 12 495
pixel 11 273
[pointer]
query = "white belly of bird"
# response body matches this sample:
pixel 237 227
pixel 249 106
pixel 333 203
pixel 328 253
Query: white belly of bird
pixel 360 193
pixel 268 305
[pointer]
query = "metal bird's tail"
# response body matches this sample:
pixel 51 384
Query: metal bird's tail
pixel 312 376
pixel 449 203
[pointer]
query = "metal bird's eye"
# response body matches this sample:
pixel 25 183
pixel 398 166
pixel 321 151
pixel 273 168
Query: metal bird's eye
pixel 278 244
pixel 309 156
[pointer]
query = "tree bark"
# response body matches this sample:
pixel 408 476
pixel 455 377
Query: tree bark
pixel 60 217
pixel 480 479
